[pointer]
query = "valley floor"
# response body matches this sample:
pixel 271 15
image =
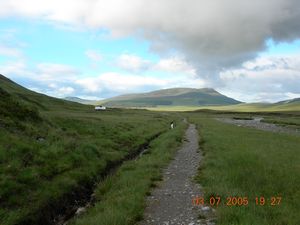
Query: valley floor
pixel 54 153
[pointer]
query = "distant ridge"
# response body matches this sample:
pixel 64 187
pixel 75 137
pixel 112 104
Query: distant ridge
pixel 79 100
pixel 294 100
pixel 172 97
pixel 13 95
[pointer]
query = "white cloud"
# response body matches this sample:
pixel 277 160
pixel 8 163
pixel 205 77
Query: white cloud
pixel 43 72
pixel 93 55
pixel 264 79
pixel 15 69
pixel 52 85
pixel 59 92
pixel 48 78
pixel 128 83
pixel 175 65
pixel 132 63
pixel 63 80
pixel 10 51
pixel 214 35
pixel 90 85
pixel 64 91
pixel 136 64
pixel 292 95
pixel 90 97
pixel 53 71
pixel 117 82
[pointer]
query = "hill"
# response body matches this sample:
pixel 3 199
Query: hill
pixel 53 151
pixel 32 99
pixel 172 97
pixel 80 100
pixel 289 101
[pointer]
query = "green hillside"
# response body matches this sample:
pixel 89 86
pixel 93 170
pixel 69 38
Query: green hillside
pixel 289 101
pixel 172 97
pixel 33 99
pixel 52 151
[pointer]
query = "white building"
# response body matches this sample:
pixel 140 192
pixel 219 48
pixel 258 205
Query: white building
pixel 98 108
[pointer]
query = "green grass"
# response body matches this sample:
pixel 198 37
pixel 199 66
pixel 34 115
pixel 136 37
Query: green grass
pixel 283 121
pixel 77 147
pixel 246 162
pixel 251 107
pixel 121 198
pixel 50 147
pixel 173 108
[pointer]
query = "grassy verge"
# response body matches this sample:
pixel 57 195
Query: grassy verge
pixel 244 107
pixel 245 162
pixel 51 148
pixel 121 197
pixel 42 161
pixel 290 121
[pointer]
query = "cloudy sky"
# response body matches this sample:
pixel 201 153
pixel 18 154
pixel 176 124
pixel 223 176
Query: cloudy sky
pixel 95 49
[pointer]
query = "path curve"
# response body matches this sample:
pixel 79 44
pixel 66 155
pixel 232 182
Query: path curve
pixel 171 202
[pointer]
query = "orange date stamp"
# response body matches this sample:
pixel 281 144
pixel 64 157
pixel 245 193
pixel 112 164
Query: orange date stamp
pixel 237 201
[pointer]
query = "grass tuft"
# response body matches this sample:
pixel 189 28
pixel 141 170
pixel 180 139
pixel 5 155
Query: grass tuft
pixel 245 162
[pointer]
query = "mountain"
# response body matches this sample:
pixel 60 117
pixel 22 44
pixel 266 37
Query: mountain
pixel 79 100
pixel 172 97
pixel 289 101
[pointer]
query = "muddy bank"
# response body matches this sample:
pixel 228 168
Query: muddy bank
pixel 258 124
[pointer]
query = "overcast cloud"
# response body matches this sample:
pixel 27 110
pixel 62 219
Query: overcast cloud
pixel 214 36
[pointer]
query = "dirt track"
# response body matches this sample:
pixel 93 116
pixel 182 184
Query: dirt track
pixel 171 202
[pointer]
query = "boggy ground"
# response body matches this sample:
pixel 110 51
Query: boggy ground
pixel 243 162
pixel 257 123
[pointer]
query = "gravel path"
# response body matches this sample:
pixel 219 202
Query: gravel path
pixel 171 202
pixel 256 123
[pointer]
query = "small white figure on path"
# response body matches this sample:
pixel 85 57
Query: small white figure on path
pixel 172 125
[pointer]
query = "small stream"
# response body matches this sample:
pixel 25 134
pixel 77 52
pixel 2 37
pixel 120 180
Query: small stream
pixel 258 124
pixel 82 197
pixel 79 209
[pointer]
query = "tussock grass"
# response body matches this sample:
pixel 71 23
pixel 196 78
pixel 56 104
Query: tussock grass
pixel 243 107
pixel 75 148
pixel 50 147
pixel 121 198
pixel 284 121
pixel 246 162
